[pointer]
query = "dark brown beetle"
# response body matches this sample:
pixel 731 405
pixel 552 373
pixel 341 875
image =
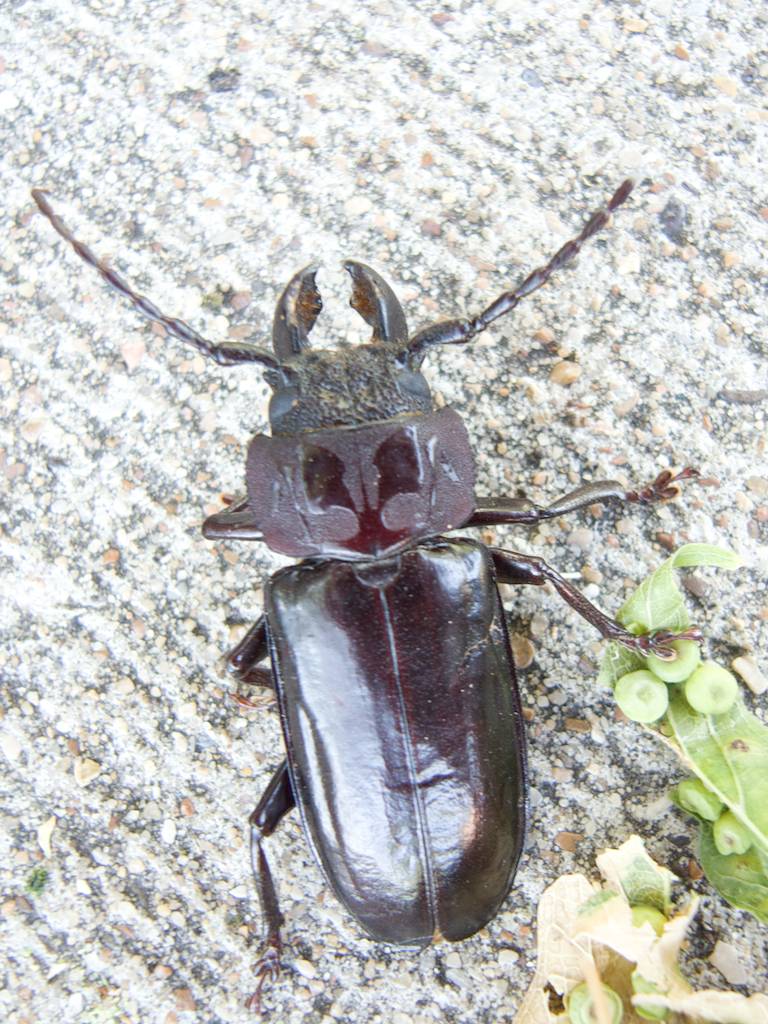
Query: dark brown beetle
pixel 388 645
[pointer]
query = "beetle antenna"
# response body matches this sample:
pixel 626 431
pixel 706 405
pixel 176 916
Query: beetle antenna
pixel 228 353
pixel 458 332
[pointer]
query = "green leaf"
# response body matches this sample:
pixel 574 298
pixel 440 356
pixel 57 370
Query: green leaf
pixel 658 604
pixel 637 875
pixel 729 753
pixel 741 879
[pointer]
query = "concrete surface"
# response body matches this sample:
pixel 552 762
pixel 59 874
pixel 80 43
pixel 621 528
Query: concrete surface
pixel 213 148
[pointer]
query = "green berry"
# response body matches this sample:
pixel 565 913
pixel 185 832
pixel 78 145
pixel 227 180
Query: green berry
pixel 641 696
pixel 642 914
pixel 693 796
pixel 730 834
pixel 642 986
pixel 711 690
pixel 581 1008
pixel 688 657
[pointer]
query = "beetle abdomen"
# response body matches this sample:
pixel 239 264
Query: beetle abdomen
pixel 404 736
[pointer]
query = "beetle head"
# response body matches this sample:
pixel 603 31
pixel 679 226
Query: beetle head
pixel 316 389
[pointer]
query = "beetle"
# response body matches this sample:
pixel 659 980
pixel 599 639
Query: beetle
pixel 390 659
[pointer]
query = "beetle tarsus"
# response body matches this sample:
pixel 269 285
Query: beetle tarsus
pixel 516 568
pixel 267 968
pixel 276 801
pixel 659 642
pixel 266 700
pixel 662 488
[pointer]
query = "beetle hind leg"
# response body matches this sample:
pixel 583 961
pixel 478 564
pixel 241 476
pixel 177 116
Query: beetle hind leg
pixel 276 801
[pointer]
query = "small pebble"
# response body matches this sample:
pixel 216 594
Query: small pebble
pixel 168 831
pixel 10 747
pixel 86 770
pixel 696 585
pixel 523 650
pixel 565 373
pixel 305 967
pixel 727 86
pixel 508 957
pixel 185 1001
pixel 748 669
pixel 726 959
pixel 357 206
pixel 581 538
pixel 568 841
pixel 44 834
pixel 577 725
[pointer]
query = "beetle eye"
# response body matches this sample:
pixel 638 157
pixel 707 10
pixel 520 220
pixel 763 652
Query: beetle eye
pixel 414 386
pixel 281 403
pixel 324 480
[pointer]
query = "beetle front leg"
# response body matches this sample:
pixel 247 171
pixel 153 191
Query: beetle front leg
pixel 523 512
pixel 235 522
pixel 516 568
pixel 276 801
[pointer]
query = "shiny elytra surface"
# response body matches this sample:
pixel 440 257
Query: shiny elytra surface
pixel 403 729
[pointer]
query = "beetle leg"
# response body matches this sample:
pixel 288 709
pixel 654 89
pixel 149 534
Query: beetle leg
pixel 457 332
pixel 522 511
pixel 235 522
pixel 243 663
pixel 276 801
pixel 513 567
pixel 243 660
pixel 226 353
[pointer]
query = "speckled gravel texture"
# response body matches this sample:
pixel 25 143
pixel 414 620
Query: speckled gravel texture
pixel 209 150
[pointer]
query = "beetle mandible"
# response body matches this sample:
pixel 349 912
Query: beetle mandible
pixel 390 660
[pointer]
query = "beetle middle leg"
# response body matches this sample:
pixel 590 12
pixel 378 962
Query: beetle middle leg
pixel 236 522
pixel 523 512
pixel 276 801
pixel 516 568
pixel 243 663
